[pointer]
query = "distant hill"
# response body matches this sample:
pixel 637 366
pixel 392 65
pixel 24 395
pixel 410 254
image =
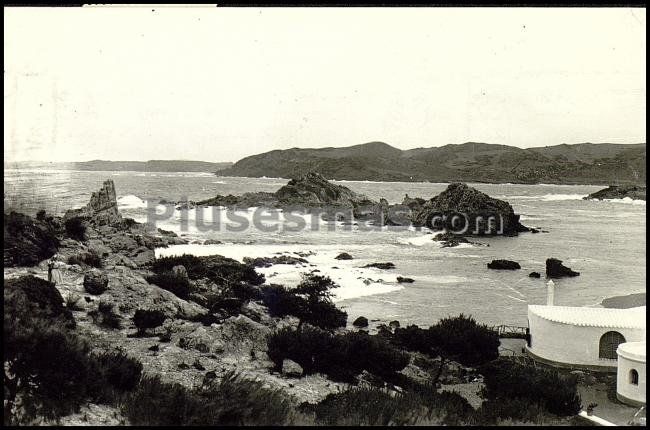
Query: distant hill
pixel 136 166
pixel 583 163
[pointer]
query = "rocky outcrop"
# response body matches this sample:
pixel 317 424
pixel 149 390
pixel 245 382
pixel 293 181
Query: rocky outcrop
pixel 312 189
pixel 27 241
pixel 291 369
pixel 555 269
pixel 465 210
pixel 635 192
pixel 534 275
pixel 403 280
pixel 95 282
pixel 102 207
pixel 343 256
pixel 503 265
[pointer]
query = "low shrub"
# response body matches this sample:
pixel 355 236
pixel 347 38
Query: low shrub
pixel 459 338
pixel 148 318
pixel 232 400
pixel 72 302
pixel 220 269
pixel 75 228
pixel 27 241
pixel 106 316
pixel 506 380
pixel 310 302
pixel 169 281
pixel 119 370
pixel 37 298
pixel 86 259
pixel 340 357
pixel 377 407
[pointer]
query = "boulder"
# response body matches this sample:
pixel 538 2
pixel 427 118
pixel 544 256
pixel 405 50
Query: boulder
pixel 393 324
pixel 503 265
pixel 360 322
pixel 534 275
pixel 343 256
pixel 555 269
pixel 180 271
pixel 477 213
pixel 291 368
pixel 95 282
pixel 384 266
pixel 450 240
pixel 403 280
pixel 201 340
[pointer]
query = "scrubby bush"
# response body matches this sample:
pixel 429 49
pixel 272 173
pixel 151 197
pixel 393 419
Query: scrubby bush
pixel 75 228
pixel 220 269
pixel 72 302
pixel 106 316
pixel 310 302
pixel 41 215
pixel 460 339
pixel 86 259
pixel 169 281
pixel 119 370
pixel 506 380
pixel 377 407
pixel 148 318
pixel 36 298
pixel 340 357
pixel 232 400
pixel 27 241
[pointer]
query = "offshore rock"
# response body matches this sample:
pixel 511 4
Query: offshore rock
pixel 465 210
pixel 503 265
pixel 636 192
pixel 555 269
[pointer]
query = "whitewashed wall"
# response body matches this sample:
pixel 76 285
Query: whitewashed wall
pixel 570 344
pixel 636 393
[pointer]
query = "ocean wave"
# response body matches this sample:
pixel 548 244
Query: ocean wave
pixel 626 200
pixel 131 202
pixel 557 197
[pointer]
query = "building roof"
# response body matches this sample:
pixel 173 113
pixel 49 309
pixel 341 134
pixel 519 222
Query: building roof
pixel 632 350
pixel 593 317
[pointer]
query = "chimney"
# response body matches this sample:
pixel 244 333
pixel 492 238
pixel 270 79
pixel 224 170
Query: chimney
pixel 550 292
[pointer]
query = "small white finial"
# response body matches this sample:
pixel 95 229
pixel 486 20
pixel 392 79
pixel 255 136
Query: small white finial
pixel 550 293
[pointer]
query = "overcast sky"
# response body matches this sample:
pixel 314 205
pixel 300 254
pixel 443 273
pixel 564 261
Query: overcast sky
pixel 220 84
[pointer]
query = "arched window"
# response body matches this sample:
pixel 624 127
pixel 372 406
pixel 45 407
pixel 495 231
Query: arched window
pixel 608 344
pixel 634 377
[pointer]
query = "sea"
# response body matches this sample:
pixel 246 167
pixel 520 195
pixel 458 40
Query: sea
pixel 603 240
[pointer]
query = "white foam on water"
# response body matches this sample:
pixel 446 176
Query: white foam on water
pixel 131 202
pixel 354 281
pixel 421 240
pixel 626 200
pixel 558 197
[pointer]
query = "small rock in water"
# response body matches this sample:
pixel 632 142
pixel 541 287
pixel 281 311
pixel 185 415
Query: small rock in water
pixel 503 265
pixel 343 256
pixel 384 266
pixel 360 322
pixel 401 280
pixel 534 275
pixel 555 269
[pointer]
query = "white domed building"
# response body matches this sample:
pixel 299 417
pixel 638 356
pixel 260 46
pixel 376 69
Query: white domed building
pixel 583 338
pixel 631 373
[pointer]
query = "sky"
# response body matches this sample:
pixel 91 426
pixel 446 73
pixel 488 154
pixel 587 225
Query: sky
pixel 220 84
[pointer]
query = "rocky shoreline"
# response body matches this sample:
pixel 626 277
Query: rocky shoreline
pixel 634 192
pixel 217 316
